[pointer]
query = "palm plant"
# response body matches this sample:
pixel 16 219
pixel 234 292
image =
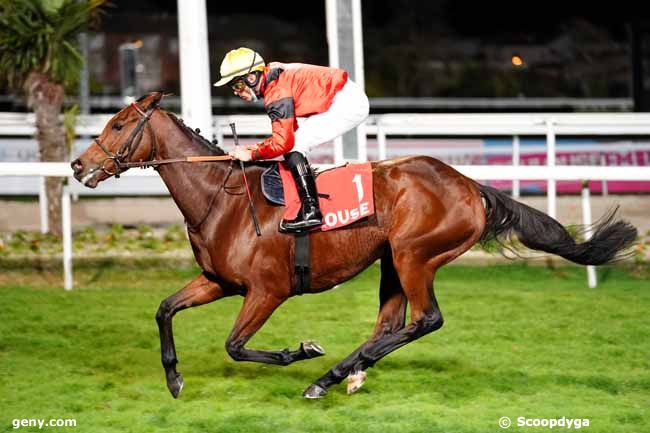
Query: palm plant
pixel 39 53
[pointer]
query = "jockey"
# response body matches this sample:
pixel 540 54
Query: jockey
pixel 308 105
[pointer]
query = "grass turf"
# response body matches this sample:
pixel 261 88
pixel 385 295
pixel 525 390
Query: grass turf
pixel 518 341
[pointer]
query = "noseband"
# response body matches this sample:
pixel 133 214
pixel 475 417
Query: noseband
pixel 121 159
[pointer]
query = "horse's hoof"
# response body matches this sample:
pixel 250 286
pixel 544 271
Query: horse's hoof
pixel 355 381
pixel 175 385
pixel 311 349
pixel 314 391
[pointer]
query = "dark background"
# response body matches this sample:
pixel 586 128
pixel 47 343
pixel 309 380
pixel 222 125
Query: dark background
pixel 412 49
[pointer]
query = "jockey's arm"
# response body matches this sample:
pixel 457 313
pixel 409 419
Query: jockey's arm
pixel 280 142
pixel 280 108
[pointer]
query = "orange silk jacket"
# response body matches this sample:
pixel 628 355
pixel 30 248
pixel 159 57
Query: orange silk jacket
pixel 290 91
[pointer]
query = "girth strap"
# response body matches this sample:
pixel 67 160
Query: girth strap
pixel 302 263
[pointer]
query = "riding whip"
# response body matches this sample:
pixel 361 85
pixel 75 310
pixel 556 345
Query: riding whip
pixel 248 191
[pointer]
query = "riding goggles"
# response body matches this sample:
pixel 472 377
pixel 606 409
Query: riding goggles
pixel 238 84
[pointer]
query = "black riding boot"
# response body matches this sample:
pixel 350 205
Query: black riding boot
pixel 309 215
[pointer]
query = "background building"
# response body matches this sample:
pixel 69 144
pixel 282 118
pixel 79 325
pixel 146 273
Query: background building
pixel 412 49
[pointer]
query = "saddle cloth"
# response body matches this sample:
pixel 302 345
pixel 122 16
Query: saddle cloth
pixel 347 194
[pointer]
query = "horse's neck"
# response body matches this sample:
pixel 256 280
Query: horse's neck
pixel 191 185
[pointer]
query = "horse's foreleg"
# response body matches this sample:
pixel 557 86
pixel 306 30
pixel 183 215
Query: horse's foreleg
pixel 257 308
pixel 392 311
pixel 199 291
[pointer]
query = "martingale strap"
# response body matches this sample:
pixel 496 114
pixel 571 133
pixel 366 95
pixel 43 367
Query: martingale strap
pixel 302 263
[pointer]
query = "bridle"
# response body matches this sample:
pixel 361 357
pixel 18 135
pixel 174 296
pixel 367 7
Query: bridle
pixel 121 159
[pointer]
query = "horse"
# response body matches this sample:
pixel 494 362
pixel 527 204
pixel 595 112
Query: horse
pixel 426 215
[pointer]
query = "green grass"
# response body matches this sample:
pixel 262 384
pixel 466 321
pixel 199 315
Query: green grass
pixel 518 341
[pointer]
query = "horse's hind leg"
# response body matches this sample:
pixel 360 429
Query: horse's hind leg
pixel 416 278
pixel 416 274
pixel 199 291
pixel 392 311
pixel 392 314
pixel 426 317
pixel 418 252
pixel 392 300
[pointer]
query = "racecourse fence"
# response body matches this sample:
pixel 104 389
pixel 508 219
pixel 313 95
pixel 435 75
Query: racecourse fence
pixel 28 177
pixel 466 139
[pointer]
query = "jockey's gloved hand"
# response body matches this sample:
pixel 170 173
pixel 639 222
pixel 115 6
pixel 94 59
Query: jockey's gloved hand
pixel 241 153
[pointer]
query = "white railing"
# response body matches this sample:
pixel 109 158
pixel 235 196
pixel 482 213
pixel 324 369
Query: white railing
pixel 506 124
pixel 385 126
pixel 478 172
pixel 548 125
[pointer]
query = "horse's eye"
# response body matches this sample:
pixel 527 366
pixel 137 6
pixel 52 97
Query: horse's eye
pixel 117 126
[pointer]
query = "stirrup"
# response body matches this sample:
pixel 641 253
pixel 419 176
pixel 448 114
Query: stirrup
pixel 299 226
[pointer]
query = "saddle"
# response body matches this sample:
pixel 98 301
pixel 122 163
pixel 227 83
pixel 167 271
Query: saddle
pixel 345 196
pixel 345 193
pixel 272 185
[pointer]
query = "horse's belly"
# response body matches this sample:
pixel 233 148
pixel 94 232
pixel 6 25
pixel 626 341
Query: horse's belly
pixel 340 255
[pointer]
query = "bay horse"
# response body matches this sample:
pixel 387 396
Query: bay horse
pixel 427 214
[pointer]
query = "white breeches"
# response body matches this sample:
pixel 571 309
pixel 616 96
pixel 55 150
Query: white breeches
pixel 349 108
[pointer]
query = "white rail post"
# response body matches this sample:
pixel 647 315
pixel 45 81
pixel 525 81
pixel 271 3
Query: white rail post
pixel 381 140
pixel 515 163
pixel 362 143
pixel 586 220
pixel 67 238
pixel 550 163
pixel 196 104
pixel 359 77
pixel 345 43
pixel 338 151
pixel 331 18
pixel 42 204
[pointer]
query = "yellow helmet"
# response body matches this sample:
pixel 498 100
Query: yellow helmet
pixel 241 61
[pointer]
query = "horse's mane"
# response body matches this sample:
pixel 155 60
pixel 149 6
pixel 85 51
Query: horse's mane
pixel 195 136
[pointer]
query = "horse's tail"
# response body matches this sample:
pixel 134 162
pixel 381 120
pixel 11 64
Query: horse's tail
pixel 538 231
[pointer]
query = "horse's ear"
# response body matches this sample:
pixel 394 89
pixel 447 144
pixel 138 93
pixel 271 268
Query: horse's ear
pixel 156 97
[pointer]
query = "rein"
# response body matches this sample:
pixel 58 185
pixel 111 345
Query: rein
pixel 120 159
pixel 157 162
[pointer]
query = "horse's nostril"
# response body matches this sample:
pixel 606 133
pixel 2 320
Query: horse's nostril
pixel 76 165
